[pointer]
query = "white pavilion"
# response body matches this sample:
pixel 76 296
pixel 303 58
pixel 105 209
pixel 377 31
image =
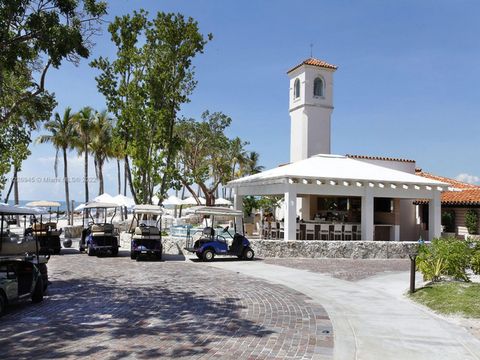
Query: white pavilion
pixel 374 194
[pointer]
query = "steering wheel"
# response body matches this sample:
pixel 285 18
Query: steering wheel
pixel 225 230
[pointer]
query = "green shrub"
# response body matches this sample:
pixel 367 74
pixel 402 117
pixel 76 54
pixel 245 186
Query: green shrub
pixel 475 262
pixel 471 221
pixel 445 256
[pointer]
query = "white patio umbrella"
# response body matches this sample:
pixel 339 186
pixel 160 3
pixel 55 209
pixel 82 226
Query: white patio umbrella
pixel 173 200
pixel 222 201
pixel 105 197
pixel 123 200
pixel 191 201
pixel 79 207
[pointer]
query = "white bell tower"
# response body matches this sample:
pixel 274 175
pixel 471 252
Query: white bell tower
pixel 311 106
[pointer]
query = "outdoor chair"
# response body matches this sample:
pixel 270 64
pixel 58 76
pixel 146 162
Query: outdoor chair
pixel 337 232
pixel 324 232
pixel 281 231
pixel 358 233
pixel 348 232
pixel 310 230
pixel 298 232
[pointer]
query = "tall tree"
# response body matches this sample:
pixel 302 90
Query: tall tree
pixel 62 136
pixel 36 35
pixel 84 127
pixel 251 164
pixel 145 86
pixel 206 155
pixel 101 144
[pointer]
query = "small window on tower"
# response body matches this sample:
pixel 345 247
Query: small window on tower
pixel 296 89
pixel 318 87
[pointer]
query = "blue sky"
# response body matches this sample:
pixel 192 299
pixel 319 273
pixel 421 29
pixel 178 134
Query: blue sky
pixel 407 83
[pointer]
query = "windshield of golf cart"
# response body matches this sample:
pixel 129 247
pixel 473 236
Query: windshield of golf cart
pixel 99 213
pixel 219 222
pixel 146 215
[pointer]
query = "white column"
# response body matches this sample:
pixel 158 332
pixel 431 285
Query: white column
pixel 238 205
pixel 367 216
pixel 435 216
pixel 290 215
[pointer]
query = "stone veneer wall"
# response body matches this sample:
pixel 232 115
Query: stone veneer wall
pixel 306 249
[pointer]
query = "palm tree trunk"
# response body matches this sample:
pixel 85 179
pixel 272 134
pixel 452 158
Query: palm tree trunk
pixel 86 171
pixel 65 177
pixel 101 189
pixel 125 180
pixel 119 177
pixel 9 190
pixel 130 183
pixel 15 184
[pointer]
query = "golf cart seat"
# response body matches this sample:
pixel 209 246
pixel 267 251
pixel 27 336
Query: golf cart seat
pixel 40 229
pixel 237 244
pixel 102 229
pixel 146 232
pixel 11 245
pixel 51 225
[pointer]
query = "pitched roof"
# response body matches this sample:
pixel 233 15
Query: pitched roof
pixel 336 167
pixel 455 183
pixel 463 194
pixel 383 158
pixel 314 62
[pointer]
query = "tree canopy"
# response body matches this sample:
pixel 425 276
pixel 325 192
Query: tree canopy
pixel 145 86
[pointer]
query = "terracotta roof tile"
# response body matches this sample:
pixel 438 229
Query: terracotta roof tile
pixel 314 62
pixel 455 183
pixel 366 157
pixel 466 195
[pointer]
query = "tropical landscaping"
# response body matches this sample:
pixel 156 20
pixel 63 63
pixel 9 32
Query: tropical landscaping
pixel 141 128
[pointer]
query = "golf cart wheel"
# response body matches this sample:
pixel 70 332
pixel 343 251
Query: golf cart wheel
pixel 200 256
pixel 133 256
pixel 115 251
pixel 56 251
pixel 208 255
pixel 90 251
pixel 248 254
pixel 3 304
pixel 159 256
pixel 37 295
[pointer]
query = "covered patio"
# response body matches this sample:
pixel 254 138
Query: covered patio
pixel 371 202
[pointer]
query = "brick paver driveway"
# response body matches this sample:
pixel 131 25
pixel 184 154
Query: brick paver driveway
pixel 116 308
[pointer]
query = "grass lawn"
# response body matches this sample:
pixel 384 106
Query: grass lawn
pixel 451 298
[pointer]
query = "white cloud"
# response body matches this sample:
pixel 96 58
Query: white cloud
pixel 467 178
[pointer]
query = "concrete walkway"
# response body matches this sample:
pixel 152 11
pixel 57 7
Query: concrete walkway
pixel 370 318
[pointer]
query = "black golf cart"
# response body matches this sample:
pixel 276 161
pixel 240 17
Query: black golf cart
pixel 99 236
pixel 45 228
pixel 146 232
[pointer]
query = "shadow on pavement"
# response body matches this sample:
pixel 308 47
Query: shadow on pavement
pixel 96 318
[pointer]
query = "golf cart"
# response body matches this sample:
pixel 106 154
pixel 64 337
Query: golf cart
pixel 99 236
pixel 46 232
pixel 220 241
pixel 23 272
pixel 146 234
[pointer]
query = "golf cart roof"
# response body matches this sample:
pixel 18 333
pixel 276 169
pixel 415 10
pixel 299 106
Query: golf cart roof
pixel 98 205
pixel 217 210
pixel 43 203
pixel 18 210
pixel 148 209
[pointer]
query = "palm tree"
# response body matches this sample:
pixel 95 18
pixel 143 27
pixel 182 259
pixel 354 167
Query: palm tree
pixel 101 144
pixel 84 128
pixel 238 156
pixel 251 166
pixel 62 136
